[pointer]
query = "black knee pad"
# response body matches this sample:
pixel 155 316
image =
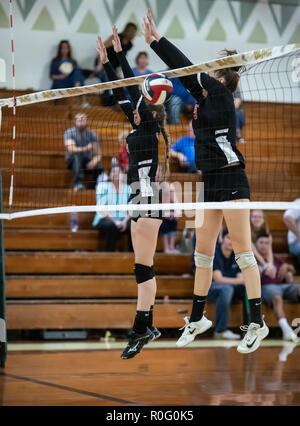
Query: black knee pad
pixel 143 273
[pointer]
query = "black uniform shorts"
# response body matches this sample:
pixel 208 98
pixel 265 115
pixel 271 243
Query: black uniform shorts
pixel 226 184
pixel 150 214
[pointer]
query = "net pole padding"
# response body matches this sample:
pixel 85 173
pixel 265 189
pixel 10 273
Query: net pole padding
pixel 226 205
pixel 3 339
pixel 247 58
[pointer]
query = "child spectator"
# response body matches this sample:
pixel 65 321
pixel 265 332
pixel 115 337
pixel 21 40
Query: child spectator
pixel 184 150
pixel 292 220
pixel 114 223
pixel 179 101
pixel 142 62
pixel 228 284
pixel 258 226
pixel 82 151
pixel 279 288
pixel 123 158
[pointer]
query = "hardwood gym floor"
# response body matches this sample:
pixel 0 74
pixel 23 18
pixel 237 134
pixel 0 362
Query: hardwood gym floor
pixel 207 373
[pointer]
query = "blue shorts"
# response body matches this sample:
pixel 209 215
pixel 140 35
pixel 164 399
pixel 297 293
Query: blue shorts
pixel 286 291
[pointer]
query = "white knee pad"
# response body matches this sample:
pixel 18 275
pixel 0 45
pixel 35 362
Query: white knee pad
pixel 245 260
pixel 203 261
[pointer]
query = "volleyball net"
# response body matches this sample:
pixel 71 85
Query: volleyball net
pixel 38 177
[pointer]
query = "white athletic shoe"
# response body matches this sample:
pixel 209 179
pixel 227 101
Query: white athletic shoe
pixel 227 335
pixel 254 335
pixel 191 329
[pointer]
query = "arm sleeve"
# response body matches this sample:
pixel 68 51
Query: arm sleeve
pixel 134 91
pixel 53 68
pixel 174 58
pixel 119 94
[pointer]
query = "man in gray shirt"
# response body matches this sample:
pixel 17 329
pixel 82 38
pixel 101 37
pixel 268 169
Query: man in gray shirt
pixel 82 151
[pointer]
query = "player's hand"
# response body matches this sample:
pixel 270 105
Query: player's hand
pixel 89 147
pixel 101 49
pixel 149 38
pixel 152 25
pixel 116 40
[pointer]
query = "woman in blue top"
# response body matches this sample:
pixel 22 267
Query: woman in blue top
pixel 63 69
pixel 117 222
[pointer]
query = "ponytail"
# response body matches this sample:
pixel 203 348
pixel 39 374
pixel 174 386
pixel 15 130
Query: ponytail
pixel 161 121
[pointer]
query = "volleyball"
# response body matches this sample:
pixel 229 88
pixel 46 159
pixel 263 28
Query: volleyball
pixel 155 88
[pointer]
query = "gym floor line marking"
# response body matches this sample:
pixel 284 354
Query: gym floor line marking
pixel 163 344
pixel 69 389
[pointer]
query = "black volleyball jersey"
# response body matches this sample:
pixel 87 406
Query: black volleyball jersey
pixel 214 116
pixel 143 155
pixel 143 139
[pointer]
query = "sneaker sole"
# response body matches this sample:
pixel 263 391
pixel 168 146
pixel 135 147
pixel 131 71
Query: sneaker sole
pixel 254 348
pixel 196 334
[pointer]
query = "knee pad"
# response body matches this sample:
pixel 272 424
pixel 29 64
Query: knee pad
pixel 203 261
pixel 245 260
pixel 143 273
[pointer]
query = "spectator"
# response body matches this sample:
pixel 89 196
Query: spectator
pixel 142 62
pixel 126 37
pixel 180 100
pixel 239 115
pixel 64 71
pixel 292 220
pixel 82 151
pixel 184 150
pixel 112 223
pixel 258 226
pixel 275 290
pixel 228 284
pixel 123 158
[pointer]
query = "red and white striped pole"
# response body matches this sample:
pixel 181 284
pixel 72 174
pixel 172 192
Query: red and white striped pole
pixel 14 120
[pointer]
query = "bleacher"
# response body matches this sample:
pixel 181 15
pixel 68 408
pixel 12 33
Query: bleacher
pixel 58 279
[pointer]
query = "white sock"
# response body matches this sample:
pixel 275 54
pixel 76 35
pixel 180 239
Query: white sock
pixel 284 325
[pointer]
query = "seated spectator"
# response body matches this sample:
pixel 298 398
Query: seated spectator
pixel 123 158
pixel 180 100
pixel 142 62
pixel 184 150
pixel 275 290
pixel 258 226
pixel 114 223
pixel 227 285
pixel 64 71
pixel 82 151
pixel 292 220
pixel 240 116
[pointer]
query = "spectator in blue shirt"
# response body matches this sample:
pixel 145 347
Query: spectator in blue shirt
pixel 113 223
pixel 64 71
pixel 180 100
pixel 228 284
pixel 184 150
pixel 82 151
pixel 142 62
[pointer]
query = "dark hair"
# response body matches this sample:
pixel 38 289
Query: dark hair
pixel 129 27
pixel 161 120
pixel 58 55
pixel 141 54
pixel 230 75
pixel 224 232
pixel 262 235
